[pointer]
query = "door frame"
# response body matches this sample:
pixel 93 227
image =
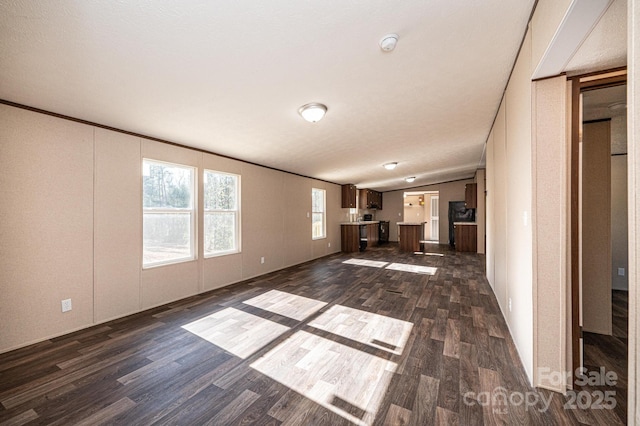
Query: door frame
pixel 579 84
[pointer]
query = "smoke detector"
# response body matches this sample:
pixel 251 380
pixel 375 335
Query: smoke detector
pixel 388 42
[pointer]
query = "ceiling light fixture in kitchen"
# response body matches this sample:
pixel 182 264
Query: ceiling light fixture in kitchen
pixel 312 112
pixel 410 179
pixel 390 166
pixel 618 106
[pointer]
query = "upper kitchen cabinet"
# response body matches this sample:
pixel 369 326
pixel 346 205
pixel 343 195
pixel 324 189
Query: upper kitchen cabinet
pixel 370 199
pixel 471 195
pixel 349 196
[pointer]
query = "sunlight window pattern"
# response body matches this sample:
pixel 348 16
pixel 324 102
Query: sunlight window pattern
pixel 318 209
pixel 221 213
pixel 168 213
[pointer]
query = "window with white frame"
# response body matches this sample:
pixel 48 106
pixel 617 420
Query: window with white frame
pixel 221 213
pixel 168 213
pixel 318 213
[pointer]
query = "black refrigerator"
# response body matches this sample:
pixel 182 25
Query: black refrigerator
pixel 458 212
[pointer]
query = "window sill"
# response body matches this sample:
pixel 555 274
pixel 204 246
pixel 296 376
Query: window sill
pixel 222 253
pixel 168 263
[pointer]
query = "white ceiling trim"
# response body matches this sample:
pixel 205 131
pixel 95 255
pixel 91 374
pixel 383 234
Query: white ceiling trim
pixel 580 19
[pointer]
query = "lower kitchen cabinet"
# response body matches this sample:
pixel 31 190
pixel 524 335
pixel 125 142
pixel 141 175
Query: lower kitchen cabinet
pixel 357 236
pixel 466 237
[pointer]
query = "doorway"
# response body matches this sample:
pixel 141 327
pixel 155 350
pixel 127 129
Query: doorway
pixel 423 207
pixel 599 257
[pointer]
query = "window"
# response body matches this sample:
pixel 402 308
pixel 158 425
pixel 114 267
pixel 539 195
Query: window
pixel 221 213
pixel 319 229
pixel 168 213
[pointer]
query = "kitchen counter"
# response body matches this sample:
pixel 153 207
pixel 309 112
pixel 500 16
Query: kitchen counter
pixel 411 223
pixel 361 222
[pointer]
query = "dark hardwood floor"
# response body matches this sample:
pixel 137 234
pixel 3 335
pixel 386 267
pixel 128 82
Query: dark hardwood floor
pixel 375 340
pixel 610 353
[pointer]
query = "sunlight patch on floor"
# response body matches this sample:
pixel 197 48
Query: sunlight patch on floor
pixel 416 269
pixel 364 262
pixel 375 330
pixel 236 331
pixel 286 304
pixel 347 381
pixel 428 254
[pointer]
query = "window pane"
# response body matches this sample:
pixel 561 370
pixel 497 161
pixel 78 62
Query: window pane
pixel 166 185
pixel 317 204
pixel 318 212
pixel 219 232
pixel 166 237
pixel 318 229
pixel 220 191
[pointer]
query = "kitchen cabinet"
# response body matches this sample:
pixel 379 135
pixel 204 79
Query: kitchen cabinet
pixel 373 234
pixel 370 199
pixel 349 196
pixel 409 235
pixel 350 238
pixel 355 233
pixel 471 195
pixel 466 236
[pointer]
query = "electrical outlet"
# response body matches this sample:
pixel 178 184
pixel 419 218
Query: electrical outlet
pixel 329 244
pixel 509 304
pixel 262 259
pixel 66 305
pixel 308 214
pixel 621 272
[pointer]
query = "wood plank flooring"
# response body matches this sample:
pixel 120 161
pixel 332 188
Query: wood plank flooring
pixel 610 352
pixel 337 341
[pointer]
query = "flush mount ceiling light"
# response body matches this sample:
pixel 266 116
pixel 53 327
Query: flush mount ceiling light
pixel 410 179
pixel 312 112
pixel 388 42
pixel 617 106
pixel 390 166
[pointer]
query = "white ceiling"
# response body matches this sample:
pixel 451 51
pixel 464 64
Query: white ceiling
pixel 228 77
pixel 604 103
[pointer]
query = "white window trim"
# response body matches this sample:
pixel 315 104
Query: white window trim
pixel 237 212
pixel 324 214
pixel 161 210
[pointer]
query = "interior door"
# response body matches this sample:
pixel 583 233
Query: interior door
pixel 435 220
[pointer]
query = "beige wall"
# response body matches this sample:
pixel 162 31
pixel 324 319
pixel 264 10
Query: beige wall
pixel 550 226
pixel 619 223
pixel 46 226
pixel 596 227
pixel 480 180
pixel 516 195
pixel 509 207
pixel 491 212
pixel 497 209
pixel 117 224
pixel 413 211
pixel 633 165
pixel 71 226
pixel 393 203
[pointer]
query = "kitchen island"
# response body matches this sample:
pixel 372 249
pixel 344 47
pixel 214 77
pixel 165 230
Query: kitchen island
pixel 357 236
pixel 410 234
